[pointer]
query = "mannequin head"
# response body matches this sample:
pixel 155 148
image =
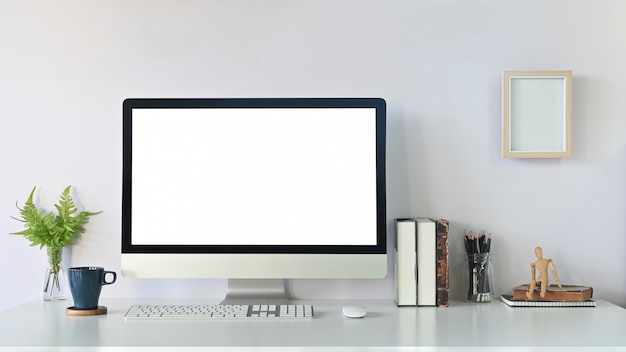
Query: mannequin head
pixel 539 252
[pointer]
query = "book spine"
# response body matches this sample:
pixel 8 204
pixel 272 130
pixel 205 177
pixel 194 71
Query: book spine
pixel 553 293
pixel 405 262
pixel 426 262
pixel 443 287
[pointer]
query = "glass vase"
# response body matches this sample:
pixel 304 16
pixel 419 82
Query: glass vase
pixel 55 285
pixel 54 282
pixel 479 273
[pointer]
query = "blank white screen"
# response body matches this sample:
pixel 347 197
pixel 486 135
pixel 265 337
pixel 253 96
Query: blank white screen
pixel 254 176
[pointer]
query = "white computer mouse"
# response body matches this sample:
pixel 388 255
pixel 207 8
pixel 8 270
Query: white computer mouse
pixel 354 311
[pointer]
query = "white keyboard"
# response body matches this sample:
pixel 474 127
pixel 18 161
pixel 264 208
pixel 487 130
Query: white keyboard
pixel 220 311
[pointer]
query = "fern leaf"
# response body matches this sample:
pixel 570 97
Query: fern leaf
pixel 50 230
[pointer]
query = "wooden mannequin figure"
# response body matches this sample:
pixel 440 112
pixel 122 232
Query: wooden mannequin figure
pixel 542 265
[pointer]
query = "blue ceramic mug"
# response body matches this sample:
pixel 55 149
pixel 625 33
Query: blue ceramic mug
pixel 86 283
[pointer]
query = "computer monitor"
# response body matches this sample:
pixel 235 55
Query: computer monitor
pixel 259 190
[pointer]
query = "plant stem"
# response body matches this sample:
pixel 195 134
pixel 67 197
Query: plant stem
pixel 55 255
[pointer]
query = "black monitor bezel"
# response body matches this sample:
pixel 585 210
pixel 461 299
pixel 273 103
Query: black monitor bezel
pixel 163 103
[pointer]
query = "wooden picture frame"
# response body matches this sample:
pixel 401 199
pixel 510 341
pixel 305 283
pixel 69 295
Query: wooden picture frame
pixel 537 114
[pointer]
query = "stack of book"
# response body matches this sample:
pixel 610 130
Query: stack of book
pixel 421 262
pixel 566 296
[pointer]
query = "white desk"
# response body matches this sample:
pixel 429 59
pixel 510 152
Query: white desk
pixel 488 326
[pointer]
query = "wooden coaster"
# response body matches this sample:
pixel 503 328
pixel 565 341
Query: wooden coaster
pixel 84 312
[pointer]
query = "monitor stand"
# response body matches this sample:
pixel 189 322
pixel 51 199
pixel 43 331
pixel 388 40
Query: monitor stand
pixel 256 291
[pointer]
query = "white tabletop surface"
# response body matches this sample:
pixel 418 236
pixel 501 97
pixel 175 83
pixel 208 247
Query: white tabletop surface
pixel 494 326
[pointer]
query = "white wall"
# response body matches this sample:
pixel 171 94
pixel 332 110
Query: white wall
pixel 66 66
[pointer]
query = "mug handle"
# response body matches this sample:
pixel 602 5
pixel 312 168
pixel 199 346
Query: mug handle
pixel 104 277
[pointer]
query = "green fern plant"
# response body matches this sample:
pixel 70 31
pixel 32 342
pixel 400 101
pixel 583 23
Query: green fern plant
pixel 50 230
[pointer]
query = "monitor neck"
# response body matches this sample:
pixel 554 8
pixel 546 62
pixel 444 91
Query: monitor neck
pixel 256 291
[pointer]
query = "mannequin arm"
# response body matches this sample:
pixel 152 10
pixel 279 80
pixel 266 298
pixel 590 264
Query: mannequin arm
pixel 556 277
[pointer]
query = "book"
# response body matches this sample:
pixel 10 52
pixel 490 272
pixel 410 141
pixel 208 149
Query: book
pixel 443 288
pixel 405 260
pixel 512 302
pixel 555 293
pixel 426 262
